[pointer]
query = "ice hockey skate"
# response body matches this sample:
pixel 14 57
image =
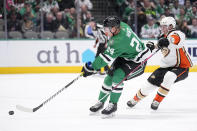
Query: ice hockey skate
pixel 109 111
pixel 132 103
pixel 155 105
pixel 95 108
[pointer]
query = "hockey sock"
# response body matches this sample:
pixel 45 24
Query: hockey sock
pixel 114 97
pixel 119 74
pixel 116 93
pixel 106 89
pixel 161 93
pixel 139 96
pixel 103 96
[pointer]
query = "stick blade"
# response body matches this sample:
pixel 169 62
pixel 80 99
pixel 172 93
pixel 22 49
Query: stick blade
pixel 24 109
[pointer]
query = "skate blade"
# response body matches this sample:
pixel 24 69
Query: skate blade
pixel 129 108
pixel 108 116
pixel 94 113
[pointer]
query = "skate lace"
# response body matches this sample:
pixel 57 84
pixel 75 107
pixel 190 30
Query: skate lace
pixel 109 107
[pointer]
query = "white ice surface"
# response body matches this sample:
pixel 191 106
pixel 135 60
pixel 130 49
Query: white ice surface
pixel 69 111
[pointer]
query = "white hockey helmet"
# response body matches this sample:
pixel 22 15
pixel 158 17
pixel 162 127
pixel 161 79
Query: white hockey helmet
pixel 168 21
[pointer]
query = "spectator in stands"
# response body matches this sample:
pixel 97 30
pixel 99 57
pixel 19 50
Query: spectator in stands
pixel 49 5
pixel 181 2
pixel 168 2
pixel 149 8
pixel 128 12
pixel 175 9
pixel 27 24
pixel 150 30
pixel 193 13
pixel 86 15
pixel 193 28
pixel 86 3
pixel 19 4
pixel 36 5
pixel 160 8
pixel 188 7
pixel 13 23
pixel 9 3
pixel 74 32
pixel 61 23
pixel 49 23
pixel 28 11
pixel 184 28
pixel 120 7
pixel 88 31
pixel 27 6
pixel 66 4
pixel 141 18
pixel 11 11
pixel 55 10
pixel 168 12
pixel 71 17
pixel 181 17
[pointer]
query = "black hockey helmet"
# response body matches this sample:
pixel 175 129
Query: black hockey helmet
pixel 111 21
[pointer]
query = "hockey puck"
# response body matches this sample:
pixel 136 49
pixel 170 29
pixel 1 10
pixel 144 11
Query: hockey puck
pixel 11 112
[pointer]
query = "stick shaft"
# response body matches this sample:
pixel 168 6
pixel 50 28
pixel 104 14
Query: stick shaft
pixel 25 109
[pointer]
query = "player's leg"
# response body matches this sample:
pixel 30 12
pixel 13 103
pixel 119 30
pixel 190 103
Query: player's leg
pixel 172 76
pixel 103 95
pixel 115 94
pixel 146 89
pixel 148 86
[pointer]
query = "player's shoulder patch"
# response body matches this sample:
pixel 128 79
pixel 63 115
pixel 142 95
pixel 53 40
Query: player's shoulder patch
pixel 175 38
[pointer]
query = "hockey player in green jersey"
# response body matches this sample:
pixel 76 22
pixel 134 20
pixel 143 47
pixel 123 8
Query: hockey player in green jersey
pixel 126 51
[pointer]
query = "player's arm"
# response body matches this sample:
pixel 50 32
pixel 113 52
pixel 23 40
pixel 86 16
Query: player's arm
pixel 163 44
pixel 102 60
pixel 105 58
pixel 145 51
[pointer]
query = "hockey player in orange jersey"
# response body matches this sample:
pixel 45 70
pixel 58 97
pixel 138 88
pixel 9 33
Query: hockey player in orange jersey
pixel 175 64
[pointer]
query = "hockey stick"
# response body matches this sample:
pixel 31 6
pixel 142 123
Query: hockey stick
pixel 26 109
pixel 130 74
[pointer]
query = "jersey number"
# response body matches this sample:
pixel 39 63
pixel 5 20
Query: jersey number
pixel 133 41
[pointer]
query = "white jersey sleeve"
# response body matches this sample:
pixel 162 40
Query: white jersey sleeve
pixel 100 34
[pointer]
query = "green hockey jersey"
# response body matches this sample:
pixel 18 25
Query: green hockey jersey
pixel 125 44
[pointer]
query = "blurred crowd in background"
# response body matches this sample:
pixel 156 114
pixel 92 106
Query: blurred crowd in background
pixel 61 16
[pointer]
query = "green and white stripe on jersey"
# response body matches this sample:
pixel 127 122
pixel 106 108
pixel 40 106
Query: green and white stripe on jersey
pixel 106 58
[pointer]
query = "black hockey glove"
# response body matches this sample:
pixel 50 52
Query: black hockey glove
pixel 150 45
pixel 87 69
pixel 163 42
